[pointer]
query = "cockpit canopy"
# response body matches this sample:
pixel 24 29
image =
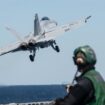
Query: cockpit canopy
pixel 45 18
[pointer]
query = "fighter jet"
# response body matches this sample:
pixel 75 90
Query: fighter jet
pixel 45 32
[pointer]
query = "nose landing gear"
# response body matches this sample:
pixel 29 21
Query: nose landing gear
pixel 32 56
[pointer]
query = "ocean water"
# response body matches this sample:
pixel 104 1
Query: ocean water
pixel 30 93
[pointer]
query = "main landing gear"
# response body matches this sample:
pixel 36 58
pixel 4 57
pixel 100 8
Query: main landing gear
pixel 55 46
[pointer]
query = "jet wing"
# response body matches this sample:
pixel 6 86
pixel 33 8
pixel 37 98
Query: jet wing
pixel 48 35
pixel 57 31
pixel 10 48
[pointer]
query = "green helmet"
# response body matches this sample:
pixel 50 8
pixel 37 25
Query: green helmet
pixel 89 53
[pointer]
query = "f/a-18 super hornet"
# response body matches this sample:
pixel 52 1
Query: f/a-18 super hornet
pixel 45 32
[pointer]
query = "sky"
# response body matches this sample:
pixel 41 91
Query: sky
pixel 50 67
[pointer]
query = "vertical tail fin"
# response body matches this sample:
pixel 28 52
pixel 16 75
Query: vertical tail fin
pixel 37 28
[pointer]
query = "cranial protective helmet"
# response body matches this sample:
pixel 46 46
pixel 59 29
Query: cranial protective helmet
pixel 90 57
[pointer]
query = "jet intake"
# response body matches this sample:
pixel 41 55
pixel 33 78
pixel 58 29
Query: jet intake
pixel 23 46
pixel 32 42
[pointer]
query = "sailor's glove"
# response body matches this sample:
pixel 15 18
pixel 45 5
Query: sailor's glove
pixel 68 87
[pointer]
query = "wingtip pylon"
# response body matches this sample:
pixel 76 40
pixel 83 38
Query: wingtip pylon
pixel 87 18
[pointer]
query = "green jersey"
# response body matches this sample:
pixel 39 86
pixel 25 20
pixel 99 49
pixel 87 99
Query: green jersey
pixel 99 87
